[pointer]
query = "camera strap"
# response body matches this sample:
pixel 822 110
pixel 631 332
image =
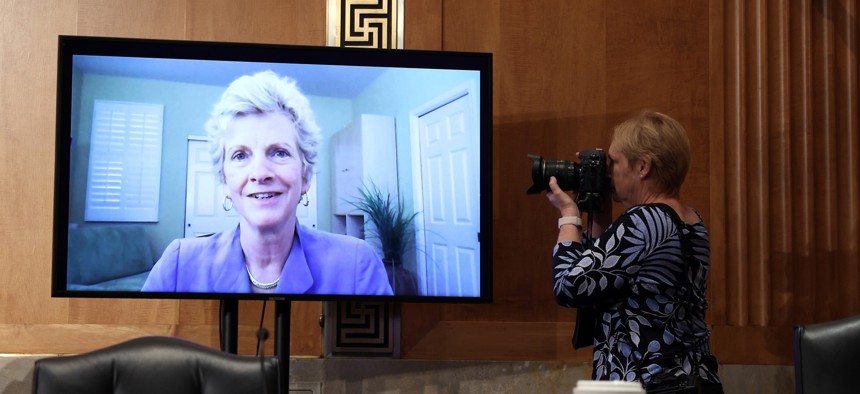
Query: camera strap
pixel 583 332
pixel 586 318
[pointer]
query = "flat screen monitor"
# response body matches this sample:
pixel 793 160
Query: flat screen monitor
pixel 209 170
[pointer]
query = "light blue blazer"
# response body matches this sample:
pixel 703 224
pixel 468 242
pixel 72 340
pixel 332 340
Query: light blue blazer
pixel 319 263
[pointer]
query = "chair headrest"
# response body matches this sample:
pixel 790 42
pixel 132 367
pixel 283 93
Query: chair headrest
pixel 157 364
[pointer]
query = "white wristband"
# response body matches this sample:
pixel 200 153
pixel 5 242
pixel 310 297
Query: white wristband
pixel 574 220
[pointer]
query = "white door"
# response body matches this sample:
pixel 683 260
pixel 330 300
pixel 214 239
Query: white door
pixel 204 212
pixel 449 145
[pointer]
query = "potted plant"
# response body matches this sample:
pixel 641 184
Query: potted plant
pixel 393 229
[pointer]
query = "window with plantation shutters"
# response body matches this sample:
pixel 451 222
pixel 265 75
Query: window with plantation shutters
pixel 124 173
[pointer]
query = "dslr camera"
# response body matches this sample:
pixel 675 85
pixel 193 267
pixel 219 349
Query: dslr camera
pixel 588 177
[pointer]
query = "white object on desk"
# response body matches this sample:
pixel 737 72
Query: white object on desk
pixel 606 386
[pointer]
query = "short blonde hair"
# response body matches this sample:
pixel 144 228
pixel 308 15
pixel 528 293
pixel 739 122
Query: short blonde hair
pixel 264 92
pixel 657 138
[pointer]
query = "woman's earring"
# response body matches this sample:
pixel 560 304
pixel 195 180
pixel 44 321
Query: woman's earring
pixel 227 204
pixel 305 200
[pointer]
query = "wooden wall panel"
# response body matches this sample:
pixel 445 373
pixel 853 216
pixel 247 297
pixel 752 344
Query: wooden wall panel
pixel 847 92
pixel 28 59
pixel 32 338
pixel 136 19
pixel 768 93
pixel 800 253
pixel 265 21
pixel 122 311
pixel 163 19
pixel 31 321
pixel 779 142
pixel 564 73
pixel 823 150
pixel 767 90
pixel 788 103
pixel 422 22
pixel 717 174
pixel 800 118
pixel 463 31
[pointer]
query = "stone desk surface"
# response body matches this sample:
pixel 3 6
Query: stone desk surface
pixel 385 375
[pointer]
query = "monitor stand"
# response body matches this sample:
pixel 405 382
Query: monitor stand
pixel 230 334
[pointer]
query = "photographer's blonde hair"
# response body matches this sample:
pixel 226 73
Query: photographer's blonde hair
pixel 655 137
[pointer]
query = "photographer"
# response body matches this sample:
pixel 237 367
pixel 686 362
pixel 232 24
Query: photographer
pixel 643 275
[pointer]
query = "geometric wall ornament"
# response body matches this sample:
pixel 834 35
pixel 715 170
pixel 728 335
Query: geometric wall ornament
pixel 365 23
pixel 363 328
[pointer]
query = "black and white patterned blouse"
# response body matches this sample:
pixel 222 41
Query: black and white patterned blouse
pixel 633 275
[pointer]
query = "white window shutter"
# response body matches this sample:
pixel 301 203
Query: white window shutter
pixel 124 174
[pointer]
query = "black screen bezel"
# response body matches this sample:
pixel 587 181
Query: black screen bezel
pixel 68 46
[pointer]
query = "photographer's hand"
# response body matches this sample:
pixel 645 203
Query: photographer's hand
pixel 561 200
pixel 566 205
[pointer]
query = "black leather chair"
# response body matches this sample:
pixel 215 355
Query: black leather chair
pixel 164 365
pixel 827 357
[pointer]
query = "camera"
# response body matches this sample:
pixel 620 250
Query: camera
pixel 588 177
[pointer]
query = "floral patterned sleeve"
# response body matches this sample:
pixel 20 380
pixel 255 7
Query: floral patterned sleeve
pixel 583 277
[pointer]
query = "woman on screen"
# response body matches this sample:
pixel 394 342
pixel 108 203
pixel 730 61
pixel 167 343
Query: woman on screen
pixel 264 148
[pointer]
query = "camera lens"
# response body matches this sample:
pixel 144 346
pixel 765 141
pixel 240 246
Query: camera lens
pixel 588 178
pixel 566 173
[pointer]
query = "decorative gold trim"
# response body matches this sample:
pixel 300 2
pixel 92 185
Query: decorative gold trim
pixel 363 328
pixel 366 24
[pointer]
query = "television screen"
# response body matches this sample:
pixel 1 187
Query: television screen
pixel 249 171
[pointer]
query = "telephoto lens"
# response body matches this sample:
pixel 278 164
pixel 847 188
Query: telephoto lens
pixel 566 173
pixel 587 177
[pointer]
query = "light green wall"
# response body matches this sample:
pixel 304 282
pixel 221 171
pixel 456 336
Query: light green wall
pixel 332 115
pixel 396 93
pixel 186 109
pixel 400 91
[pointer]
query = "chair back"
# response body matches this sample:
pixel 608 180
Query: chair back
pixel 163 365
pixel 827 357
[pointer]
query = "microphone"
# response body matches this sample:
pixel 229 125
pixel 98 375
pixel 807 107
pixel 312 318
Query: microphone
pixel 262 336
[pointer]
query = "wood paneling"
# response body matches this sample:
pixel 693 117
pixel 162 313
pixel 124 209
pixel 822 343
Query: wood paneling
pixel 498 340
pixel 265 21
pixel 784 135
pixel 789 75
pixel 163 19
pixel 565 72
pixel 767 90
pixel 34 338
pixel 768 93
pixel 28 59
pixel 424 21
pixel 475 25
pixel 122 311
pixel 32 321
pixel 716 174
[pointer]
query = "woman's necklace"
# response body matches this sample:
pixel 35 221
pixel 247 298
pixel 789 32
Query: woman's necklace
pixel 261 285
